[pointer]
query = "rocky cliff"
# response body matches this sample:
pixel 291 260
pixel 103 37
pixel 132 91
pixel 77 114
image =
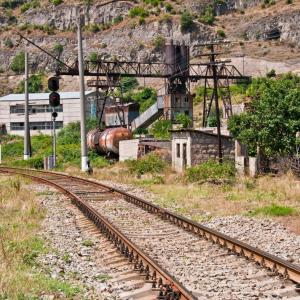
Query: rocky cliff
pixel 114 31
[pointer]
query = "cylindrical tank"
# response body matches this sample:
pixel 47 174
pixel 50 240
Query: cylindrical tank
pixel 107 141
pixel 170 58
pixel 184 55
pixel 91 138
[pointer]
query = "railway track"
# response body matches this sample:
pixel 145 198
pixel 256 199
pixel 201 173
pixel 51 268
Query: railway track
pixel 185 248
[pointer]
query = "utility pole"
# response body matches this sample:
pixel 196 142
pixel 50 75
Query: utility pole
pixel 216 96
pixel 27 144
pixel 84 156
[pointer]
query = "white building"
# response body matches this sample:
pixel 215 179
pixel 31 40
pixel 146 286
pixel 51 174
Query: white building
pixel 12 111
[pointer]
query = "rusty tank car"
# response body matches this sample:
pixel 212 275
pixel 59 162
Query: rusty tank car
pixel 107 141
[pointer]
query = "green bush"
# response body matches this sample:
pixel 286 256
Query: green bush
pixel 159 42
pixel 184 120
pixel 35 84
pixel 11 4
pixel 160 129
pixel 128 84
pixel 34 163
pixel 8 43
pixel 138 12
pixel 208 17
pixel 186 21
pixel 221 33
pixel 56 2
pixel 150 163
pixel 93 57
pixel 211 171
pixel 18 63
pixel 58 49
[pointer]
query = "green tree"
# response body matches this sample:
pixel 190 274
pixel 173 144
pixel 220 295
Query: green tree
pixel 273 118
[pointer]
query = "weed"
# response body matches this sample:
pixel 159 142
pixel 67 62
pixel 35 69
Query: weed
pixel 87 243
pixel 150 163
pixel 103 277
pixel 67 258
pixel 211 171
pixel 274 210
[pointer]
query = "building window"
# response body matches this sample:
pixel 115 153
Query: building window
pixel 34 109
pixel 186 99
pixel 178 150
pixel 18 126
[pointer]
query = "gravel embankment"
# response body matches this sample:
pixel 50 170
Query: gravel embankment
pixel 262 233
pixel 75 255
pixel 207 270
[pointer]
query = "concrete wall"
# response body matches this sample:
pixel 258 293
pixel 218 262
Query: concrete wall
pixel 200 147
pixel 128 149
pixel 205 146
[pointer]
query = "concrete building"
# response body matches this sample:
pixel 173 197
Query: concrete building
pixel 192 147
pixel 12 111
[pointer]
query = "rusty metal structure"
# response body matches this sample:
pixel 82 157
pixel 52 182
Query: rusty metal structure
pixel 176 70
pixel 80 190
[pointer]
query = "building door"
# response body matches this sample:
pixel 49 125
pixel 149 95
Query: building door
pixel 184 155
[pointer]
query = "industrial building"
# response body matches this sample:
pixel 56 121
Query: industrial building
pixel 12 111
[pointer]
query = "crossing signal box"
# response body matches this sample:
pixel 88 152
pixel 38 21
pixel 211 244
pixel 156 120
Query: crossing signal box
pixel 54 99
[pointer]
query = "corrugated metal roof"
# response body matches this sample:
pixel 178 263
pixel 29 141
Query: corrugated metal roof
pixel 42 96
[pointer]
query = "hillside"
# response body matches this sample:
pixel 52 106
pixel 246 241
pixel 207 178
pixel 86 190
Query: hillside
pixel 137 31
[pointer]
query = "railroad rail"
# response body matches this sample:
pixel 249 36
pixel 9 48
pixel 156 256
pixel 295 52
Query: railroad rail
pixel 164 282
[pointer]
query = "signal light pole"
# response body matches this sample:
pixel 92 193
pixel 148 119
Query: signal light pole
pixel 27 142
pixel 84 156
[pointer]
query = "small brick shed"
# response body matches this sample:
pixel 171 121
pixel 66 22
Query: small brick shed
pixel 191 147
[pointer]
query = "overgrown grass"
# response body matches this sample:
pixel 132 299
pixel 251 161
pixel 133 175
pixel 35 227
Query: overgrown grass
pixel 68 149
pixel 20 245
pixel 211 171
pixel 274 210
pixel 150 163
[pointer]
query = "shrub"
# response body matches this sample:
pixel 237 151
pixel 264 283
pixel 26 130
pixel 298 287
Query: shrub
pixel 58 49
pixel 158 43
pixel 18 63
pixel 35 84
pixel 211 171
pixel 221 33
pixel 8 43
pixel 271 73
pixel 128 84
pixel 93 57
pixel 150 163
pixel 186 21
pixel 11 4
pixel 208 17
pixel 160 129
pixel 168 7
pixel 34 163
pixel 184 120
pixel 118 19
pixel 56 2
pixel 138 12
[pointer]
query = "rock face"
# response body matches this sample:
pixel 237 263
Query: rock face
pixel 286 24
pixel 132 38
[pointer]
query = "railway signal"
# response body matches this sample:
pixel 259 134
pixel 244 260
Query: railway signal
pixel 54 99
pixel 53 84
